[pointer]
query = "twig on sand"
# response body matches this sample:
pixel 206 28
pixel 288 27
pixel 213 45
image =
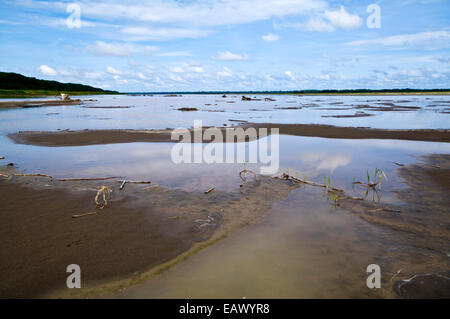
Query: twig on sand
pixel 40 175
pixel 244 172
pixel 86 179
pixel 104 191
pixel 124 181
pixel 395 275
pixel 209 190
pixel 4 175
pixel 86 214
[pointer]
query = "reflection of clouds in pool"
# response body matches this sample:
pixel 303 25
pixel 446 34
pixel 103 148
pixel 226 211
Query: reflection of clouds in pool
pixel 325 161
pixel 414 146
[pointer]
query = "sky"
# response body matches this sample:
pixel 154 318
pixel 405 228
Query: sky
pixel 225 45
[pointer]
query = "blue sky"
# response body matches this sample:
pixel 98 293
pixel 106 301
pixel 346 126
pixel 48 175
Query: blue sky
pixel 196 45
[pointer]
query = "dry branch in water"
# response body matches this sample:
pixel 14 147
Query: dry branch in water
pixel 245 171
pixel 285 176
pixel 4 175
pixel 349 197
pixel 209 190
pixel 104 191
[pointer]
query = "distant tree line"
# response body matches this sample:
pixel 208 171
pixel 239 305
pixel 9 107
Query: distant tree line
pixel 346 91
pixel 14 81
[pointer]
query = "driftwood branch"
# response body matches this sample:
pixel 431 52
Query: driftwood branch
pixel 124 181
pixel 285 176
pixel 86 179
pixel 41 175
pixel 209 190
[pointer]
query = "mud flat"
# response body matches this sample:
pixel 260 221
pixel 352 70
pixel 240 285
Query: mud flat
pixel 91 137
pixel 142 227
pixel 25 104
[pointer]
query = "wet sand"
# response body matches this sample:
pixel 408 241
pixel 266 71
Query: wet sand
pixel 147 229
pixel 92 137
pixel 142 227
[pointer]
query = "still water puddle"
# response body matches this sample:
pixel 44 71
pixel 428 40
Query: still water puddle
pixel 301 249
pixel 343 161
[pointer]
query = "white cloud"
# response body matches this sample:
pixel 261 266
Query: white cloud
pixel 111 70
pixel 438 37
pixel 328 21
pixel 324 77
pixel 197 13
pixel 142 76
pixel 196 69
pixel 118 79
pixel 324 161
pixel 226 72
pixel 174 53
pixel 149 34
pixel 117 49
pixel 334 161
pixel 46 70
pixel 289 75
pixel 68 73
pixel 270 37
pixel 92 75
pixel 176 78
pixel 342 19
pixel 177 69
pixel 319 25
pixel 103 48
pixel 228 56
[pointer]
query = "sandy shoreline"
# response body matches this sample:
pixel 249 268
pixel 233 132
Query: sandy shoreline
pixel 37 103
pixel 92 137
